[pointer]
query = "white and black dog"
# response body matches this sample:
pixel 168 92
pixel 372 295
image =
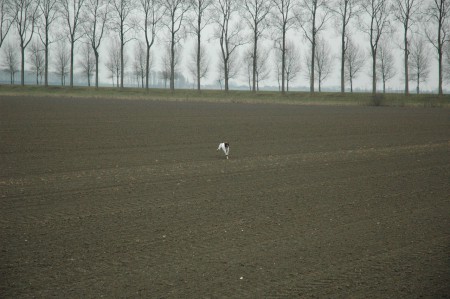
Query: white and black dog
pixel 225 146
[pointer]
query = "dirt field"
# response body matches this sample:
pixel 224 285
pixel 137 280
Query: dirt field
pixel 111 198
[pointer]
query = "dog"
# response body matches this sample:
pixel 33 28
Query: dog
pixel 225 147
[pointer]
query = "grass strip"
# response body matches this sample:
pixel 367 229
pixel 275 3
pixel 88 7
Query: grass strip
pixel 232 96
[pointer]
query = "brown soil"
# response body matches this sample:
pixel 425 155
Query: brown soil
pixel 112 198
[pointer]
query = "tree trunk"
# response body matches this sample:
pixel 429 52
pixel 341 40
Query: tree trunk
pixel 255 58
pixel 172 63
pixel 313 51
pixel 418 83
pixel 226 75
pixel 198 62
pixel 257 82
pixel 313 55
pixel 72 42
pixel 199 53
pixel 374 71
pixel 46 58
pixel 406 59
pixel 122 70
pixel 343 50
pixel 440 58
pixel 147 67
pixel 283 59
pixel 440 68
pixel 96 68
pixel 22 68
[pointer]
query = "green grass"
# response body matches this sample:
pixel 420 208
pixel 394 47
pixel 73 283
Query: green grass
pixel 233 96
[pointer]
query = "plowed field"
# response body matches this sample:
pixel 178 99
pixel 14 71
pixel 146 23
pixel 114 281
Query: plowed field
pixel 116 198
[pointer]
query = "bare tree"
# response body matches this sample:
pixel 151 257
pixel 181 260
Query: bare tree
pixel 176 12
pixel 282 20
pixel 438 15
pixel 220 79
pixel 375 23
pixel 278 67
pixel 87 62
pixel 420 62
pixel 232 66
pixel 114 63
pixel 49 10
pixel 293 62
pixel 139 64
pixel 307 70
pixel 255 14
pixel 113 68
pixel 37 60
pixel 25 15
pixel 324 61
pixel 262 69
pixel 71 10
pixel 96 19
pixel 345 11
pixel 407 13
pixel 165 71
pixel 354 62
pixel 248 61
pixel 11 60
pixel 6 19
pixel 249 66
pixel 229 33
pixel 123 24
pixel 199 64
pixel 62 60
pixel 385 63
pixel 312 16
pixel 166 64
pixel 203 16
pixel 153 13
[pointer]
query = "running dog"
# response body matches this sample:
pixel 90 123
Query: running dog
pixel 225 147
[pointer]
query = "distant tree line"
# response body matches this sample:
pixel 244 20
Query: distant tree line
pixel 52 33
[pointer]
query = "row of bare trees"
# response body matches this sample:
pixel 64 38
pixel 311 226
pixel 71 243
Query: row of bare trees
pixel 241 22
